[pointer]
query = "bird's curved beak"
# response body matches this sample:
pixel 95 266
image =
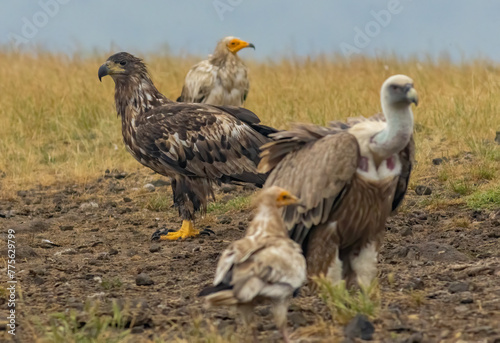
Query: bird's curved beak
pixel 412 96
pixel 103 71
pixel 250 45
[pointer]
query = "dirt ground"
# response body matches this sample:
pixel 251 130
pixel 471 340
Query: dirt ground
pixel 439 271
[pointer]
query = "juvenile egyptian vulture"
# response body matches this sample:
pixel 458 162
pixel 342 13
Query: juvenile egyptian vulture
pixel 264 265
pixel 349 177
pixel 221 79
pixel 195 145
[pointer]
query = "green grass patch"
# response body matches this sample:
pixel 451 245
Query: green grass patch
pixel 91 327
pixel 236 204
pixel 114 283
pixel 344 304
pixel 486 199
pixel 158 202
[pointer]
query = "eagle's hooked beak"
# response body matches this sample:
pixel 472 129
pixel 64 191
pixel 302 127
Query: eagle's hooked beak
pixel 412 96
pixel 103 71
pixel 250 45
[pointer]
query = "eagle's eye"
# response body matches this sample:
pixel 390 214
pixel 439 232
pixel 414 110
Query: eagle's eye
pixel 394 87
pixel 123 63
pixel 233 43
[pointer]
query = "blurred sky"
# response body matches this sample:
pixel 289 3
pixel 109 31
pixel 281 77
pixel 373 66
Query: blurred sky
pixel 461 28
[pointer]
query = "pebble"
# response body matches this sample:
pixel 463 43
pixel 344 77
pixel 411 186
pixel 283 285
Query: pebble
pixel 149 187
pixel 66 227
pixel 423 190
pixel 154 248
pixel 407 232
pixel 143 280
pixel 439 160
pixel 415 283
pixel 466 298
pixel 7 214
pixel 89 205
pixel 360 327
pixel 161 183
pixel 126 199
pixel 458 287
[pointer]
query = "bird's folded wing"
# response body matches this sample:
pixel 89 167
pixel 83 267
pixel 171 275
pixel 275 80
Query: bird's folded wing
pixel 199 82
pixel 203 141
pixel 278 262
pixel 315 164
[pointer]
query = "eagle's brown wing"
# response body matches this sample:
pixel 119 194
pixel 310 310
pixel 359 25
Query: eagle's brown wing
pixel 314 163
pixel 198 140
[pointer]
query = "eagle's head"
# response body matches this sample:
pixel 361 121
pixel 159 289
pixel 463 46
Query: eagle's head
pixel 122 65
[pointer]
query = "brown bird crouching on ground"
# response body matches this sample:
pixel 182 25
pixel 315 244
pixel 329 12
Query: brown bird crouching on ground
pixel 264 265
pixel 195 145
pixel 221 79
pixel 349 177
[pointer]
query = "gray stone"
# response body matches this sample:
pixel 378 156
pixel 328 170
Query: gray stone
pixel 89 205
pixel 143 280
pixel 154 248
pixel 149 187
pixel 423 190
pixel 161 183
pixel 458 287
pixel 360 327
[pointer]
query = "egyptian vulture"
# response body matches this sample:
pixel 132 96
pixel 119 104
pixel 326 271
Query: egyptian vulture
pixel 196 145
pixel 264 265
pixel 221 79
pixel 349 177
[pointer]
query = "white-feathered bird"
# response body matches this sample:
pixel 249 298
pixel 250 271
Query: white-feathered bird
pixel 264 265
pixel 221 79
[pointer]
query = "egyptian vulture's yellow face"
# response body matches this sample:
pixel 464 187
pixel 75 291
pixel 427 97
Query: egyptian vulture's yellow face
pixel 235 45
pixel 285 199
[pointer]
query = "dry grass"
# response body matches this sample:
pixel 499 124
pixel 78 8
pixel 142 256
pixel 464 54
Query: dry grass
pixel 59 123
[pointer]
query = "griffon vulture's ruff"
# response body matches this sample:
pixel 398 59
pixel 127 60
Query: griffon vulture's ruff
pixel 195 145
pixel 221 79
pixel 349 177
pixel 265 265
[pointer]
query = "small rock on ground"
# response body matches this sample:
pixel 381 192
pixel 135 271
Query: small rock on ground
pixel 149 187
pixel 360 327
pixel 458 287
pixel 423 190
pixel 143 280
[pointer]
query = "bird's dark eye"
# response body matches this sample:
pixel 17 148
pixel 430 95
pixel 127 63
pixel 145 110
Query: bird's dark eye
pixel 394 87
pixel 123 63
pixel 233 43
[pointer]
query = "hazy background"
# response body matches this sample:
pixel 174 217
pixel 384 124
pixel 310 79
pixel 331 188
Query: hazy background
pixel 461 28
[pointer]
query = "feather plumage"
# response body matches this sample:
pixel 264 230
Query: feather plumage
pixel 196 145
pixel 264 265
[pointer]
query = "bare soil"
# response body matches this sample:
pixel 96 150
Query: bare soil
pixel 439 270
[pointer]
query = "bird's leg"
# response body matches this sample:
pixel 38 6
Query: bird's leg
pixel 246 312
pixel 364 264
pixel 280 311
pixel 187 230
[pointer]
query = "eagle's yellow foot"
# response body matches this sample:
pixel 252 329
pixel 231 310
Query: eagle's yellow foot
pixel 187 230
